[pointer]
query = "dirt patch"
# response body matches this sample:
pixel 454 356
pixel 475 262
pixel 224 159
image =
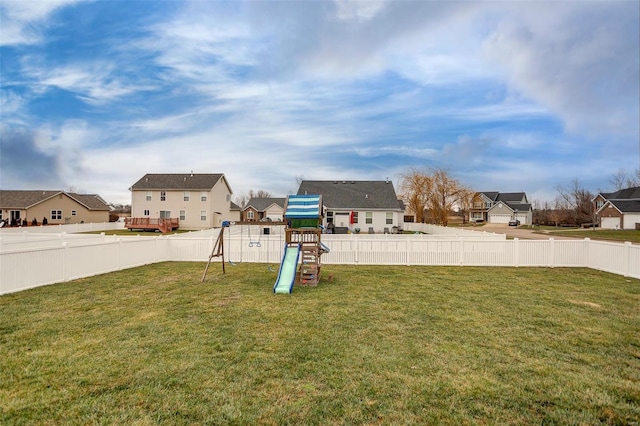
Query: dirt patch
pixel 583 303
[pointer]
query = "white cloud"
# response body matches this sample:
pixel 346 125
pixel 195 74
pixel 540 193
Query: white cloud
pixel 581 61
pixel 23 21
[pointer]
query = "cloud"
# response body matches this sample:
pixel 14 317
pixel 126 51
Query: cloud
pixel 582 62
pixel 23 22
pixel 23 164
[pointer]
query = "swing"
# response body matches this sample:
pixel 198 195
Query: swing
pixel 251 242
pixel 229 258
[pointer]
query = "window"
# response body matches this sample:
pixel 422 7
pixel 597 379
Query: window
pixel 163 196
pixel 148 196
pixel 146 213
pixel 186 196
pixel 329 217
pixel 228 197
pixel 599 204
pixel 203 196
pixel 183 215
pixel 56 214
pixel 250 215
pixel 203 215
pixel 74 213
pixel 355 217
pixel 389 219
pixel 368 217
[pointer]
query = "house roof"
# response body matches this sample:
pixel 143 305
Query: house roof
pixel 262 204
pixel 623 194
pixel 626 206
pixel 374 195
pixel 511 197
pixel 17 199
pixel 491 195
pixel 179 181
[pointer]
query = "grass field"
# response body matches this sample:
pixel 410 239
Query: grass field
pixel 373 345
pixel 630 235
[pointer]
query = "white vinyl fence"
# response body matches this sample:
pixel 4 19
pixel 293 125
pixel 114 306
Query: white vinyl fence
pixel 32 260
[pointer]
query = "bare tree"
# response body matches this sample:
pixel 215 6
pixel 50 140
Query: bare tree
pixel 578 200
pixel 466 199
pixel 261 193
pixel 434 190
pixel 415 187
pixel 241 199
pixel 446 192
pixel 621 179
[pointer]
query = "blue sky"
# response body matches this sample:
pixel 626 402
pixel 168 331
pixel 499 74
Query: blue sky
pixel 508 96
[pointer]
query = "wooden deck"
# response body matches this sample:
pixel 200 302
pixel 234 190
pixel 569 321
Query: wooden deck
pixel 151 224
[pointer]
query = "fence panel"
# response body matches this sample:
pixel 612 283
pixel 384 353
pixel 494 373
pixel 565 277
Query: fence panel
pixel 24 269
pixel 65 257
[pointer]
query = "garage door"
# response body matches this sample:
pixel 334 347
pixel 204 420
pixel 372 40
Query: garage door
pixel 499 218
pixel 523 219
pixel 610 223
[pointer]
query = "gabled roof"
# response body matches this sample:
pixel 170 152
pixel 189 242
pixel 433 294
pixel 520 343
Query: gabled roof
pixel 17 199
pixel 179 181
pixel 511 197
pixel 623 194
pixel 521 207
pixel 374 195
pixel 623 206
pixel 262 204
pixel 491 195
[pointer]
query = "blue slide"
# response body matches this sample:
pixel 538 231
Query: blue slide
pixel 287 272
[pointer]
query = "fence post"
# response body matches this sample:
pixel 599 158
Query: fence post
pixel 461 251
pixel 119 254
pixel 627 258
pixel 516 252
pixel 65 259
pixel 586 258
pixel 552 254
pixel 355 251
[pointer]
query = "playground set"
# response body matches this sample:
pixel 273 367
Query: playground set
pixel 302 248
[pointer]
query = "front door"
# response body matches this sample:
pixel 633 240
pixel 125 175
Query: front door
pixel 15 217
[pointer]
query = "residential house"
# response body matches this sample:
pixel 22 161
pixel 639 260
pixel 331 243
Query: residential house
pixel 619 209
pixel 263 209
pixel 199 201
pixel 501 207
pixel 358 206
pixel 57 207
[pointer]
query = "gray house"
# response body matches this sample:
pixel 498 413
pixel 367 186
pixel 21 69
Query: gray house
pixel 501 207
pixel 358 206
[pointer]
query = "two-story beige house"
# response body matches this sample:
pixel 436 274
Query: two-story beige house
pixel 199 201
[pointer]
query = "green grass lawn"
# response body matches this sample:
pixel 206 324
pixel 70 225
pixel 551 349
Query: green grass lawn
pixel 630 235
pixel 373 345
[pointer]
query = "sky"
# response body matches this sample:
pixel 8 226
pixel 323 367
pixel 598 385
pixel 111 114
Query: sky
pixel 507 96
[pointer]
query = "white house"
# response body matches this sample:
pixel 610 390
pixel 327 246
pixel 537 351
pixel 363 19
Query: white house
pixel 358 206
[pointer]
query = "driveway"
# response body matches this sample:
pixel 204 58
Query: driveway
pixel 520 233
